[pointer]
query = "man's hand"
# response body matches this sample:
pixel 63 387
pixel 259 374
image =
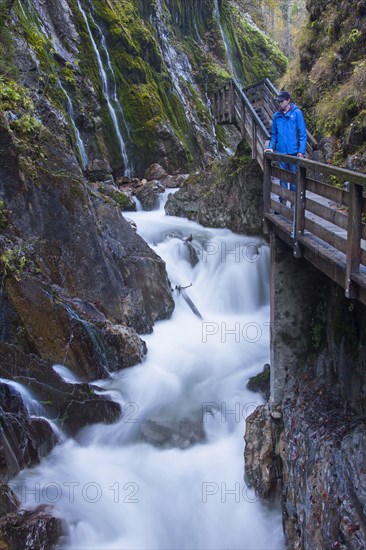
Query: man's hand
pixel 301 155
pixel 268 150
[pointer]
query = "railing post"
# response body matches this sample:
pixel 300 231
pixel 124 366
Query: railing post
pixel 299 209
pixel 254 138
pixel 267 179
pixel 353 237
pixel 231 102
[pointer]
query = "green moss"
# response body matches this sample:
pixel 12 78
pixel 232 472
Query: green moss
pixel 328 77
pixel 241 159
pixel 255 56
pixel 12 262
pixel 77 190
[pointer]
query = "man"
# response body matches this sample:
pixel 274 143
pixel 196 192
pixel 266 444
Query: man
pixel 288 134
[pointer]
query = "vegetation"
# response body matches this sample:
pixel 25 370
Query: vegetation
pixel 328 76
pixel 12 262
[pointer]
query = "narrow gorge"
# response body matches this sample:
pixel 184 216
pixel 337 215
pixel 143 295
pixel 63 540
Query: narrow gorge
pixel 135 285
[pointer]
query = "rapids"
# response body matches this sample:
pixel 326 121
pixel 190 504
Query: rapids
pixel 116 487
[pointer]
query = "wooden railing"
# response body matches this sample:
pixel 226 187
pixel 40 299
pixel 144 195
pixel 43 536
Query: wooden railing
pixel 251 110
pixel 323 223
pixel 232 106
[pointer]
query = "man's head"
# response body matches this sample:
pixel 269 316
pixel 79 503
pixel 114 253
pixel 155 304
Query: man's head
pixel 283 99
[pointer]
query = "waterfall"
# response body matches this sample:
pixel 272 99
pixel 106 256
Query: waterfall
pixel 169 473
pixel 35 18
pixel 106 93
pixel 79 142
pixel 224 39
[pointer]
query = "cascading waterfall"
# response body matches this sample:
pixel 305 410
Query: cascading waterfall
pixel 169 473
pixel 177 63
pixel 69 105
pixel 79 142
pixel 226 44
pixel 106 91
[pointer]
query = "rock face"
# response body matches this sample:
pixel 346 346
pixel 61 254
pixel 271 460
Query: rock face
pixel 30 530
pixel 223 197
pixel 312 436
pixel 328 79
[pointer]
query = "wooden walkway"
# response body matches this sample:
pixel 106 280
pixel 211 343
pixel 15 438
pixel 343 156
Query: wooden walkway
pixel 326 224
pixel 251 110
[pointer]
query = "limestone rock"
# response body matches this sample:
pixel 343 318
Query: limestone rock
pixel 155 172
pixel 148 194
pixel 262 455
pixel 24 440
pixel 222 197
pixel 165 431
pixel 71 406
pixel 98 170
pixel 31 529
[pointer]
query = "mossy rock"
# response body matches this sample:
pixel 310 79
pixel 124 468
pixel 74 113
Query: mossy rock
pixel 261 382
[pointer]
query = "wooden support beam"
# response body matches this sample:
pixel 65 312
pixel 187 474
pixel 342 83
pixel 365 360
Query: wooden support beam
pixel 299 221
pixel 353 237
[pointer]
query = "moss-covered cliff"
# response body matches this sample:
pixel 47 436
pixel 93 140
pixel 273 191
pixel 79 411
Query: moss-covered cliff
pixel 143 70
pixel 328 77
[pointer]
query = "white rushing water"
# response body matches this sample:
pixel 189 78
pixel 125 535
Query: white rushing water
pixel 110 97
pixel 117 490
pixel 79 142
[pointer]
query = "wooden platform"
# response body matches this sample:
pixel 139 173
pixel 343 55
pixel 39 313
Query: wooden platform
pixel 326 224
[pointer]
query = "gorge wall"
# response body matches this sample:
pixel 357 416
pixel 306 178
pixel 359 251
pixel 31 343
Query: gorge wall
pixel 309 441
pixel 90 92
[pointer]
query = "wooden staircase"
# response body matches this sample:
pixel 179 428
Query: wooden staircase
pixel 251 110
pixel 323 223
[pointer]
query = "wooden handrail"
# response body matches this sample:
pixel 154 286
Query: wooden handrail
pixel 232 104
pixel 309 226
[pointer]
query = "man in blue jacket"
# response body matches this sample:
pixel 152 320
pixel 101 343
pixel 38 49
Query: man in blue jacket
pixel 288 134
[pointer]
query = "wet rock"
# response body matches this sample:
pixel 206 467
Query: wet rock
pixel 24 440
pixel 155 172
pixel 31 530
pixel 72 332
pixel 71 406
pixel 222 196
pixel 167 432
pixel 121 198
pixel 157 431
pixel 261 382
pixel 263 450
pixel 148 194
pixel 9 502
pixel 98 170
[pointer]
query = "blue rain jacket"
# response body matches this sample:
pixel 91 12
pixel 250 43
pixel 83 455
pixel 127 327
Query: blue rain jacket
pixel 289 132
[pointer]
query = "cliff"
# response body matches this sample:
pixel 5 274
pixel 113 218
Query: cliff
pixel 308 443
pixel 91 92
pixel 328 79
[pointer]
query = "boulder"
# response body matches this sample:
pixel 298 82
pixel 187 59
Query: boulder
pixel 155 172
pixel 30 530
pixel 225 195
pixel 98 170
pixel 149 194
pixel 163 431
pixel 71 406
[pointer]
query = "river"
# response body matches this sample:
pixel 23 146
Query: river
pixel 169 474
